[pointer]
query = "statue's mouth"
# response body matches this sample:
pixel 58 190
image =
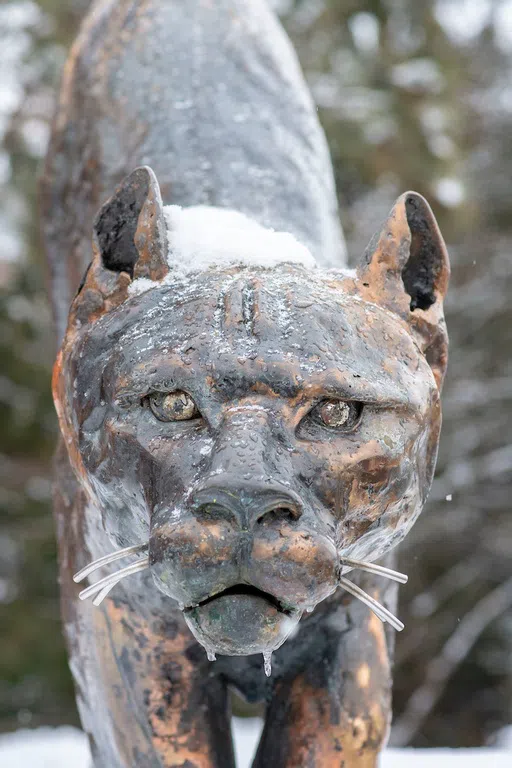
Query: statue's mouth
pixel 245 590
pixel 241 620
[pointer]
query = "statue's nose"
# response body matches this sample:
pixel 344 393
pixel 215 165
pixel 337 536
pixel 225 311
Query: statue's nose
pixel 245 504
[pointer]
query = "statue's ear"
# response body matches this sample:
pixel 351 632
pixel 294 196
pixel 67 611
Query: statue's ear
pixel 129 241
pixel 406 269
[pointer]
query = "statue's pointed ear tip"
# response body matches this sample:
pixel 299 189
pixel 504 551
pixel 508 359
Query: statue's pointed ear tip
pixel 413 197
pixel 416 207
pixel 421 220
pixel 143 178
pixel 418 210
pixel 144 172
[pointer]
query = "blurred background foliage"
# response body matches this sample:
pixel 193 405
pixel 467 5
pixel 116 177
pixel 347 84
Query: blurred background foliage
pixel 412 95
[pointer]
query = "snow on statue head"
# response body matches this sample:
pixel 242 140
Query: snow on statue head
pixel 249 420
pixel 201 237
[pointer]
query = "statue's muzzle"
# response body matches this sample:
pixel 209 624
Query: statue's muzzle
pixel 240 562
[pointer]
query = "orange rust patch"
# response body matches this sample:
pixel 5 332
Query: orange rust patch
pixel 315 739
pixel 363 676
pixel 376 627
pixel 162 685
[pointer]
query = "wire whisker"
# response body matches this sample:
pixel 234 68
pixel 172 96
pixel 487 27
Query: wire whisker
pixel 107 559
pixel 113 579
pixel 103 594
pixel 380 570
pixel 378 609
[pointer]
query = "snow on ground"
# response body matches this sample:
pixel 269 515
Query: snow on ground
pixel 65 747
pixel 44 748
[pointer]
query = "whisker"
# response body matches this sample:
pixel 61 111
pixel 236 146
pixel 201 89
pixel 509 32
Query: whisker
pixel 119 555
pixel 103 594
pixel 379 610
pixel 380 570
pixel 113 579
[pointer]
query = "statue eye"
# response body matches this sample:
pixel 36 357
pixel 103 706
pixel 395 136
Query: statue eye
pixel 173 406
pixel 338 414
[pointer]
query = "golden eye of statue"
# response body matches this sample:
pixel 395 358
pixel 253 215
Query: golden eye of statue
pixel 338 414
pixel 173 406
pixel 335 414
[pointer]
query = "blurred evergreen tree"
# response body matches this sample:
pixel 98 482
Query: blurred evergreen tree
pixel 35 685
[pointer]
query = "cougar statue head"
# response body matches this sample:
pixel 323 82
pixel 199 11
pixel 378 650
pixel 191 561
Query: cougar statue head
pixel 246 418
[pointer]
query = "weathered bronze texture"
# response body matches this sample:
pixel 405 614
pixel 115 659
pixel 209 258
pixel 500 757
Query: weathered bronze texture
pixel 249 507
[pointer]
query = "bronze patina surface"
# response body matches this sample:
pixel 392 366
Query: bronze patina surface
pixel 250 503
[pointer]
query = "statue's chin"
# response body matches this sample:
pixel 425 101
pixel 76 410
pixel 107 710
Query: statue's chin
pixel 238 624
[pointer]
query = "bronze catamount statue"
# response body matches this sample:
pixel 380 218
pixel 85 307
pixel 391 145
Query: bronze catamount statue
pixel 240 416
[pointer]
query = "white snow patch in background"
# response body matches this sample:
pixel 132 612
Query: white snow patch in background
pixel 503 738
pixel 414 74
pixel 463 20
pixel 365 31
pixel 503 26
pixel 65 747
pixel 281 7
pixel 450 192
pixel 380 129
pixel 435 123
pixel 45 748
pixel 445 758
pixel 246 735
pixel 36 135
pixel 15 19
pixel 202 236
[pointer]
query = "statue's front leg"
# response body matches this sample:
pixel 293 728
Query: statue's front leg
pixel 154 702
pixel 332 708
